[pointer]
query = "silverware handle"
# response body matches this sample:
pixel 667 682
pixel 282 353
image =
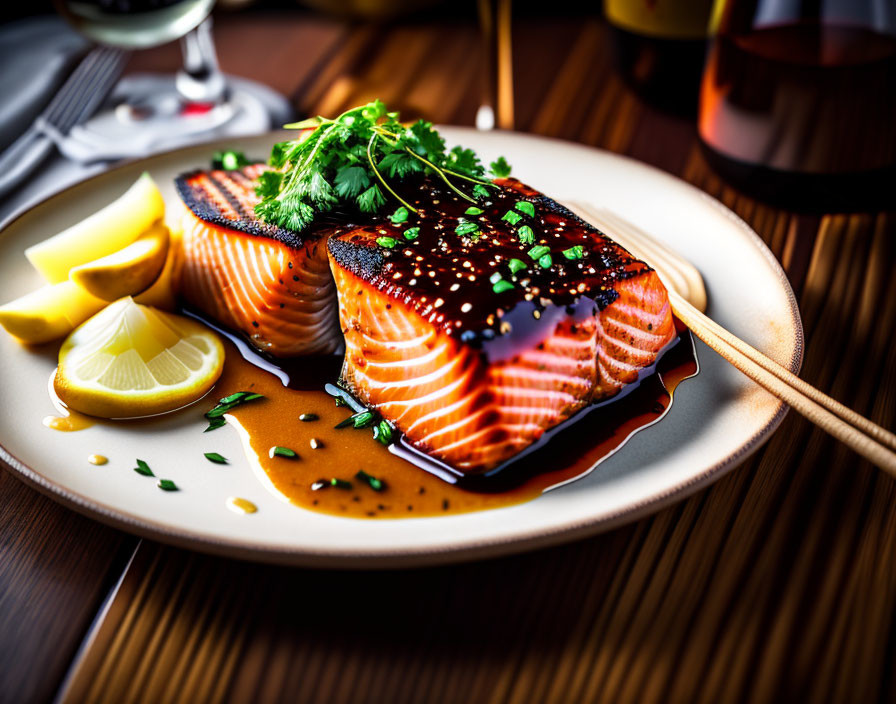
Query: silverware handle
pixel 22 157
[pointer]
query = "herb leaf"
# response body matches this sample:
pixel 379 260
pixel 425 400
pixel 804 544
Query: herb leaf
pixel 167 485
pixel 500 167
pixel 278 451
pixel 370 480
pixel 344 162
pixel 215 457
pixel 143 468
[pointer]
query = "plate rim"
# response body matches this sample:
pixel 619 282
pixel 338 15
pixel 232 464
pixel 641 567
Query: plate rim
pixel 414 557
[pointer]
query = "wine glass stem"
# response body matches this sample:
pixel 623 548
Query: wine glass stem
pixel 201 80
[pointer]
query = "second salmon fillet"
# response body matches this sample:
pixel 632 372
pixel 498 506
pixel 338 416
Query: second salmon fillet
pixel 471 370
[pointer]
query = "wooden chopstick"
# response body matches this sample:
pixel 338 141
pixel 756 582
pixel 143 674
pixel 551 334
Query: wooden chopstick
pixel 857 432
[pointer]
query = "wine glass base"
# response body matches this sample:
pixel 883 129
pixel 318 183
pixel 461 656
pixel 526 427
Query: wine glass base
pixel 146 114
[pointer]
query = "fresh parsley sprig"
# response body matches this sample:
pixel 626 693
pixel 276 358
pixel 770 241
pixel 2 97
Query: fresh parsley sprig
pixel 349 162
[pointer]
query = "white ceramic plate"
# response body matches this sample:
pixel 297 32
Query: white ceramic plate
pixel 717 420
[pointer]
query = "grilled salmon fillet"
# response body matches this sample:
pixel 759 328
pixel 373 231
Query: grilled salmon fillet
pixel 270 284
pixel 470 371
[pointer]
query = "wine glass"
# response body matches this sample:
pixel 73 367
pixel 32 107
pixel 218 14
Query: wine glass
pixel 798 100
pixel 153 112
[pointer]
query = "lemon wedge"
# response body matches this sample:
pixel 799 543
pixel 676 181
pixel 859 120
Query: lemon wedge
pixel 129 270
pixel 163 292
pixel 131 360
pixel 49 312
pixel 106 231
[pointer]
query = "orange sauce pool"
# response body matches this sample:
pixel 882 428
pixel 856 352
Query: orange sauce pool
pixel 409 490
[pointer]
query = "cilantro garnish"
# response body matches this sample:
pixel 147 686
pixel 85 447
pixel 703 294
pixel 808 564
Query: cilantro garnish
pixel 349 162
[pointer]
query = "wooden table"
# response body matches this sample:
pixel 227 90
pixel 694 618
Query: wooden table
pixel 775 584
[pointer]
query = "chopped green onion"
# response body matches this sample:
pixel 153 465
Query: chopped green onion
pixel 340 483
pixel 238 396
pixel 214 424
pixel 526 234
pixel 225 404
pixel 496 277
pixel 382 432
pixel 516 265
pixel 545 261
pixel 502 286
pixel 364 419
pixel 308 417
pixel 399 216
pixel 387 242
pixel 215 457
pixel 411 233
pixel 512 217
pixel 278 451
pixel 167 485
pixel 480 191
pixel 473 210
pixel 370 480
pixel 538 251
pixel 143 468
pixel 526 207
pixel 467 229
pixel 575 252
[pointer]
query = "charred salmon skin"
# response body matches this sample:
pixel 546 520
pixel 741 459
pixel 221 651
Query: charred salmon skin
pixel 485 329
pixel 270 284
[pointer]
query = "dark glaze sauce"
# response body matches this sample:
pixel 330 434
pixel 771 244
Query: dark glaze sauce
pixel 573 449
pixel 446 277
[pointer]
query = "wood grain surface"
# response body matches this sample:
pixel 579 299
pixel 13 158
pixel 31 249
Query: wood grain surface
pixel 775 584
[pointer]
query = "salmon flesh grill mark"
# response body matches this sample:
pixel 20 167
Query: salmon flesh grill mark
pixel 470 373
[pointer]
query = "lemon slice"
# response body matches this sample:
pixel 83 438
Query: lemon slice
pixel 49 312
pixel 129 270
pixel 106 231
pixel 131 360
pixel 163 292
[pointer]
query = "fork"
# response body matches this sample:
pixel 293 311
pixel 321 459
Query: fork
pixel 77 100
pixel 687 297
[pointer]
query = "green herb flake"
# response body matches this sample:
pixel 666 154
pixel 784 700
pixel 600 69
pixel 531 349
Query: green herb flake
pixel 370 480
pixel 143 468
pixel 526 207
pixel 525 234
pixel 500 167
pixel 285 452
pixel 480 191
pixel 364 419
pixel 512 217
pixel 229 160
pixel 502 286
pixel 538 251
pixel 309 417
pixel 387 242
pixel 466 229
pixel 382 432
pixel 340 483
pixel 411 233
pixel 516 265
pixel 215 457
pixel 545 261
pixel 473 210
pixel 214 424
pixel 167 485
pixel 229 402
pixel 575 252
pixel 399 216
